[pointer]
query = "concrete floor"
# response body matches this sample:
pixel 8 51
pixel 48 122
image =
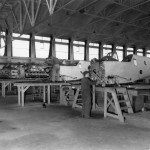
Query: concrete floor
pixel 62 128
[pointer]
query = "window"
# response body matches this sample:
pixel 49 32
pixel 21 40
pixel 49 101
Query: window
pixel 147 53
pixel 61 51
pixel 130 50
pixel 20 45
pixel 119 50
pixel 2 43
pixel 78 42
pixel 62 48
pixel 93 50
pixel 16 35
pixel 107 49
pixel 78 50
pixel 93 53
pixel 42 46
pixel 62 40
pixel 107 46
pixel 94 44
pixel 140 52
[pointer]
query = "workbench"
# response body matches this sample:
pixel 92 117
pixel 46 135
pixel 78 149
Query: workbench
pixel 132 90
pixel 22 87
pixel 8 82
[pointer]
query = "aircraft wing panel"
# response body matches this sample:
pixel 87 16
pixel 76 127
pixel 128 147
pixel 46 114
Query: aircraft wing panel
pixel 74 72
pixel 123 72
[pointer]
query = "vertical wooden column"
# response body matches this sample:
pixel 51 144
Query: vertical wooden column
pixel 86 52
pixel 52 51
pixel 135 50
pixel 100 55
pixel 124 51
pixel 144 51
pixel 113 48
pixel 32 50
pixel 8 45
pixel 71 54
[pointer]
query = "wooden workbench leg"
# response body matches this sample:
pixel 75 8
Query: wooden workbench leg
pixel 44 94
pixel 48 94
pixel 93 97
pixel 61 95
pixel 105 104
pixel 19 100
pixel 3 89
pixel 9 87
pixel 22 96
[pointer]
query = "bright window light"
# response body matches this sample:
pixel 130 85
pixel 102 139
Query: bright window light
pixel 140 54
pixel 119 50
pixel 21 36
pixel 94 44
pixel 61 40
pixel 147 55
pixel 119 47
pixel 79 42
pixel 42 49
pixel 139 50
pixel 129 53
pixel 147 51
pixel 93 53
pixel 120 55
pixel 2 46
pixel 42 38
pixel 107 46
pixel 106 51
pixel 130 49
pixel 20 48
pixel 78 52
pixel 61 51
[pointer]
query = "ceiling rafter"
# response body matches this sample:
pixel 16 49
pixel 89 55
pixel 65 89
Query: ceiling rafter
pixel 128 8
pixel 68 18
pixel 131 7
pixel 3 4
pixel 15 19
pixel 120 21
pixel 87 22
pixel 97 12
pixel 45 20
pixel 31 14
pixel 51 5
pixel 76 11
pixel 110 20
pixel 95 34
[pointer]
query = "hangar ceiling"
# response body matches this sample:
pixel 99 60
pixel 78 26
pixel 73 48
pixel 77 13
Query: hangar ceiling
pixel 123 22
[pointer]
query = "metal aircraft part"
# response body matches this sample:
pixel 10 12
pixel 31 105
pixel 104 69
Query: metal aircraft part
pixel 74 72
pixel 18 71
pixel 131 69
pixel 37 71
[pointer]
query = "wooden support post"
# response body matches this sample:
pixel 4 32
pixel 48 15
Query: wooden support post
pixel 22 96
pixel 19 93
pixel 76 98
pixel 44 100
pixel 48 94
pixel 114 103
